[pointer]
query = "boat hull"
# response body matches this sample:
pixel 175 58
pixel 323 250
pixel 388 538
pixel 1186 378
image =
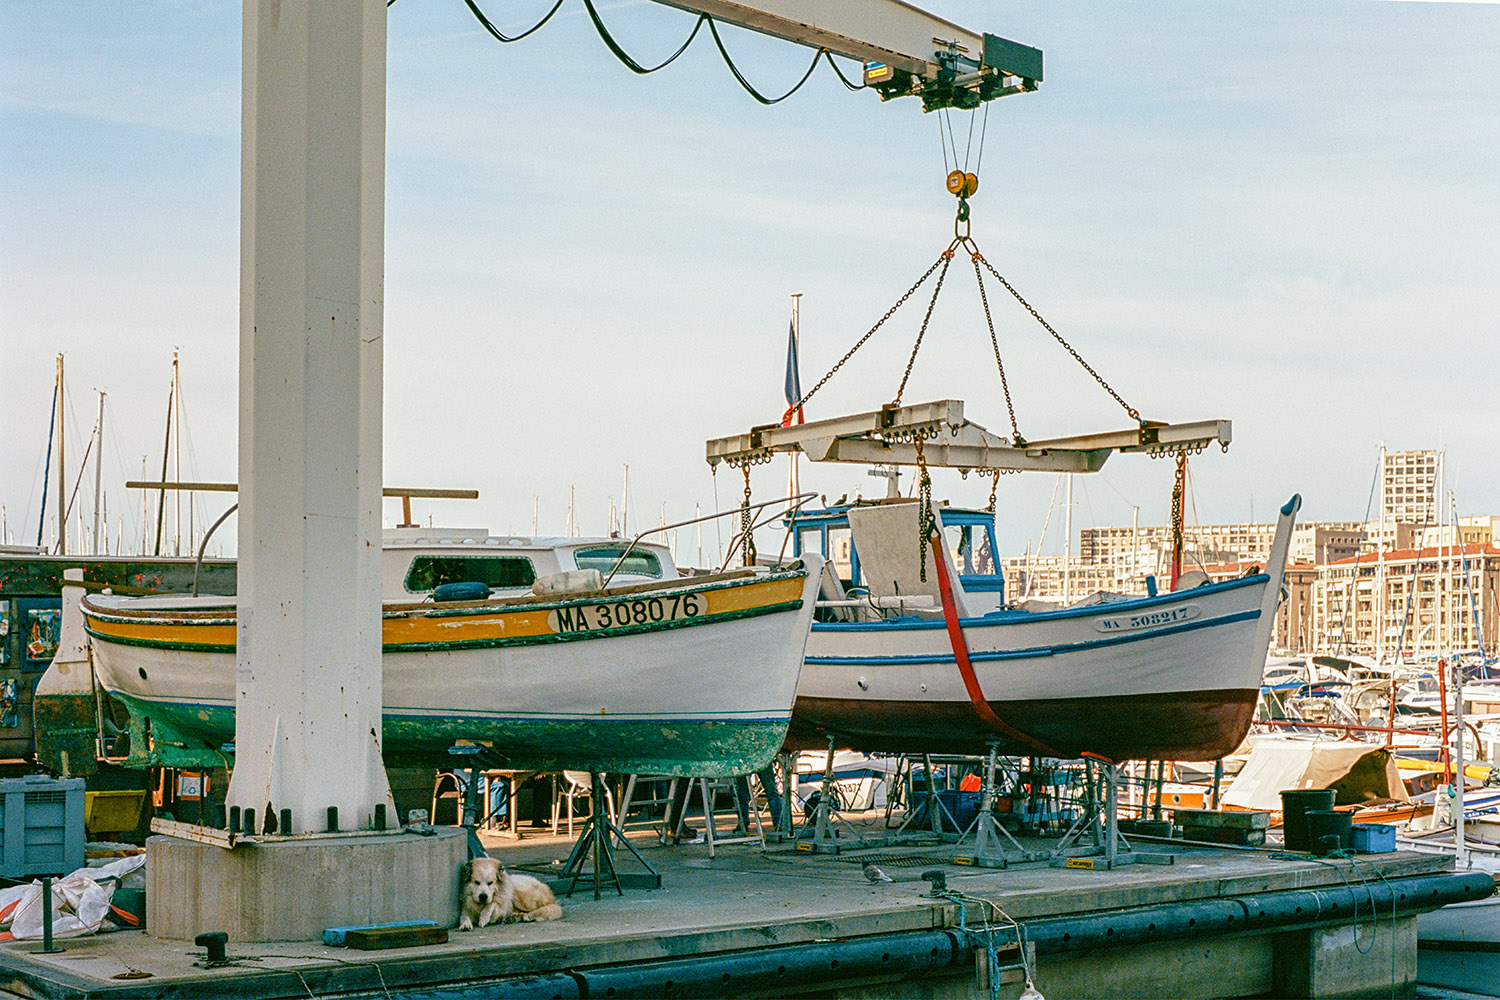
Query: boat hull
pixel 1171 677
pixel 543 684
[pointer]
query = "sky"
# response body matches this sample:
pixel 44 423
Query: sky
pixel 1281 213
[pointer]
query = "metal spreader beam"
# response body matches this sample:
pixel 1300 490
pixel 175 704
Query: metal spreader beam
pixel 906 51
pixel 889 435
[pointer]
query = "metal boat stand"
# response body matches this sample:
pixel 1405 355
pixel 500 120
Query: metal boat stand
pixel 988 835
pixel 594 840
pixel 932 816
pixel 822 837
pixel 1100 819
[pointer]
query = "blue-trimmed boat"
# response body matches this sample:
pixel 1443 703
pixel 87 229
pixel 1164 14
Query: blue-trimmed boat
pixel 914 651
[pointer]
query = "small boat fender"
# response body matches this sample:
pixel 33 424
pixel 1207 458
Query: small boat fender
pixel 573 581
pixel 468 590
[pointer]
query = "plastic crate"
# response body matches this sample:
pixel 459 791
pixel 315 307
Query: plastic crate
pixel 1374 838
pixel 41 826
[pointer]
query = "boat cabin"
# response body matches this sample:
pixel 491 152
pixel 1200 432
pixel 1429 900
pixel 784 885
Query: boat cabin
pixel 874 558
pixel 420 560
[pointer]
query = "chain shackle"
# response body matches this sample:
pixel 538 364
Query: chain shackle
pixel 747 545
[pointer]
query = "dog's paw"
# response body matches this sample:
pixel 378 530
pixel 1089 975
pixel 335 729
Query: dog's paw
pixel 466 924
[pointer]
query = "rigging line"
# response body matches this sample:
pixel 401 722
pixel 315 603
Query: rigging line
pixel 624 56
pixel 969 142
pixel 983 128
pixel 943 142
pixel 485 23
pixel 713 29
pixel 989 320
pixel 948 121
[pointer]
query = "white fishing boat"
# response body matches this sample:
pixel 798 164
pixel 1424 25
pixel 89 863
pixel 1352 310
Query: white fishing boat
pixel 588 654
pixel 1171 676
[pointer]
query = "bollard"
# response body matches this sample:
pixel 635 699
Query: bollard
pixel 249 815
pixel 333 819
pixel 380 815
pixel 47 947
pixel 213 942
pixel 234 817
pixel 286 822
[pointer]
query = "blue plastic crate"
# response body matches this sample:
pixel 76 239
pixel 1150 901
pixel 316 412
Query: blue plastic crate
pixel 41 826
pixel 1374 838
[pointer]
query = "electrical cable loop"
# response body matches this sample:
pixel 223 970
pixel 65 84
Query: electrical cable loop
pixel 485 22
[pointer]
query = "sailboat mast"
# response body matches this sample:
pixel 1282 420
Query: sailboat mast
pixel 1068 545
pixel 41 521
pixel 1380 601
pixel 793 482
pixel 62 486
pixel 98 471
pixel 176 423
pixel 166 453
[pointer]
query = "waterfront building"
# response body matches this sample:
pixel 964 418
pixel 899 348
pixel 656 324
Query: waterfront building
pixel 1409 486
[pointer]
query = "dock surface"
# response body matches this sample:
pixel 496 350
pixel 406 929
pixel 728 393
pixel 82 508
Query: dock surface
pixel 749 904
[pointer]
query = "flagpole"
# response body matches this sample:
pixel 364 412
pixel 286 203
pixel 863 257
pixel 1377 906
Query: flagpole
pixel 793 485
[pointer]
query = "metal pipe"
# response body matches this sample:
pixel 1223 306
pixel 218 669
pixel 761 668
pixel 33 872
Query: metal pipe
pixel 803 967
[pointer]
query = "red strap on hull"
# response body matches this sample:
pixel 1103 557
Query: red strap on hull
pixel 965 667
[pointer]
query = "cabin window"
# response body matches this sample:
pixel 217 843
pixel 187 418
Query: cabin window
pixel 497 572
pixel 640 562
pixel 970 547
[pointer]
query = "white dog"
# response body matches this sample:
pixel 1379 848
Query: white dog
pixel 492 895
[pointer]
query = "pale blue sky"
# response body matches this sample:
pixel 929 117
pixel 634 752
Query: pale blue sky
pixel 1281 213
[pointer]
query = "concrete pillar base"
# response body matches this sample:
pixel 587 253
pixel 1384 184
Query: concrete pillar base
pixel 292 890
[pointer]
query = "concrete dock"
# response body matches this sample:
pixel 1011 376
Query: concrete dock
pixel 783 922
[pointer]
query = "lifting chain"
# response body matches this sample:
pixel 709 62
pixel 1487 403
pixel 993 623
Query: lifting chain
pixel 748 538
pixel 994 486
pixel 945 260
pixel 989 320
pixel 1134 413
pixel 945 256
pixel 1179 487
pixel 927 524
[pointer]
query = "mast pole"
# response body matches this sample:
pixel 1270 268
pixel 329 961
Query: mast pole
pixel 793 482
pixel 62 512
pixel 98 470
pixel 174 425
pixel 1068 545
pixel 1380 602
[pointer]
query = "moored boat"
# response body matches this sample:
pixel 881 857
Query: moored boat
pixel 654 673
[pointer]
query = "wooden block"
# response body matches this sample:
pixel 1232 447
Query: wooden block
pixel 1223 820
pixel 1224 835
pixel 376 938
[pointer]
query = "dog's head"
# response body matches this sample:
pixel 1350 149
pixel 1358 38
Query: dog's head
pixel 481 879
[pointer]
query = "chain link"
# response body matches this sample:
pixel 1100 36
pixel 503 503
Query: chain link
pixel 945 255
pixel 946 259
pixel 1134 413
pixel 990 322
pixel 994 486
pixel 1178 488
pixel 927 524
pixel 748 543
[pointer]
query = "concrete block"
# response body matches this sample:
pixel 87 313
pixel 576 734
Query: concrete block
pixel 291 890
pixel 1377 957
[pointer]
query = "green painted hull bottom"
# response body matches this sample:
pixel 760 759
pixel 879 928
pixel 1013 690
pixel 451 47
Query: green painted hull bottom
pixel 192 736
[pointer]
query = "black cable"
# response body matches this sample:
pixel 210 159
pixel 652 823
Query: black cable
pixel 499 36
pixel 714 30
pixel 840 73
pixel 624 56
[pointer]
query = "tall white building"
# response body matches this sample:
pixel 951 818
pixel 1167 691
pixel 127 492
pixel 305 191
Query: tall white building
pixel 1408 492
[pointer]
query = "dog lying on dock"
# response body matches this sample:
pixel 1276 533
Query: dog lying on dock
pixel 492 895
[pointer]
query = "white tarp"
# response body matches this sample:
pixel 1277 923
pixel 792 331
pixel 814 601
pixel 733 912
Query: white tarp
pixel 80 901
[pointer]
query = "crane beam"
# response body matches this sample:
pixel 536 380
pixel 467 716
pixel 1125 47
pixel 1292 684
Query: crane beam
pixel 889 436
pixel 906 50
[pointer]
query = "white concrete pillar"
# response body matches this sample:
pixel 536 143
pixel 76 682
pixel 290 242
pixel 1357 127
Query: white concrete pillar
pixel 308 680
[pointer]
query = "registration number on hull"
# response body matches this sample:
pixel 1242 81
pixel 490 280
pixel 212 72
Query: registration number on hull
pixel 1146 619
pixel 624 614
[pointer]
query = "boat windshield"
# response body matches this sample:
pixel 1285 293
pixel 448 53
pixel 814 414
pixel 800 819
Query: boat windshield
pixel 497 572
pixel 640 562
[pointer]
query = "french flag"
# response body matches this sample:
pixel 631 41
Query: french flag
pixel 793 388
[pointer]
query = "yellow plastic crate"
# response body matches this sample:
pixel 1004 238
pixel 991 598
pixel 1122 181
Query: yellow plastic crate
pixel 112 812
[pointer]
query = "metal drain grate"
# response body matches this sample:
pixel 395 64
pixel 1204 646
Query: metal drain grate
pixel 896 860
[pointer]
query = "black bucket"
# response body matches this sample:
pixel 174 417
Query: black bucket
pixel 1295 804
pixel 1329 831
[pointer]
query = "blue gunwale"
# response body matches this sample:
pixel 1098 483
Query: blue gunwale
pixel 1036 651
pixel 1026 617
